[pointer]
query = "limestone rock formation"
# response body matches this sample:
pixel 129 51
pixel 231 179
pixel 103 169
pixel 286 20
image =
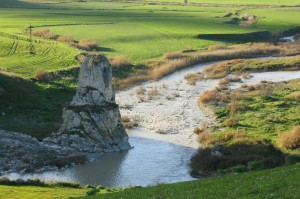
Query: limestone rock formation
pixel 93 113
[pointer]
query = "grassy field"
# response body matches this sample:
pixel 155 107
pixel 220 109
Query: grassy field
pixel 30 192
pixel 141 32
pixel 20 56
pixel 275 183
pixel 232 2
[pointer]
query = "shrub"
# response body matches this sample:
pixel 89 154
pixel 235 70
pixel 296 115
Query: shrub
pixel 67 39
pixel 152 94
pixel 173 55
pixel 197 130
pixel 140 91
pixel 240 154
pixel 213 97
pixel 125 118
pixel 256 165
pixel 227 80
pixel 42 76
pixel 191 78
pixel 232 121
pixel 119 61
pixel 204 138
pixel 292 159
pixel 44 33
pixel 217 47
pixel 290 140
pixel 129 123
pixel 234 106
pixel 92 192
pixel 169 67
pixel 130 81
pixel 239 168
pixel 204 160
pixel 294 96
pixel 87 44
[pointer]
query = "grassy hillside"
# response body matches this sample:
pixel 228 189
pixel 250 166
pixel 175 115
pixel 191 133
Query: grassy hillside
pixel 275 183
pixel 141 32
pixel 20 56
pixel 234 2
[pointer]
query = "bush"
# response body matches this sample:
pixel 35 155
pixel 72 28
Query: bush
pixel 140 91
pixel 42 76
pixel 294 96
pixel 217 47
pixel 44 33
pixel 256 165
pixel 204 160
pixel 213 97
pixel 169 67
pixel 153 93
pixel 290 140
pixel 173 55
pixel 87 44
pixel 92 192
pixel 119 61
pixel 231 121
pixel 237 155
pixel 193 78
pixel 292 159
pixel 204 138
pixel 66 39
pixel 239 169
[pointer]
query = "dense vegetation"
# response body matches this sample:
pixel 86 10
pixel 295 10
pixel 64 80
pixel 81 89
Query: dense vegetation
pixel 258 127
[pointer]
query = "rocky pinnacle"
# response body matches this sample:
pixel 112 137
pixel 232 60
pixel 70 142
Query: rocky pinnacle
pixel 93 113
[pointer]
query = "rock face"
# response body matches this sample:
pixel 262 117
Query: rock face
pixel 93 113
pixel 23 153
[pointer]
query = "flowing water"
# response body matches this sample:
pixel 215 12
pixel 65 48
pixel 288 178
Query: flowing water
pixel 150 162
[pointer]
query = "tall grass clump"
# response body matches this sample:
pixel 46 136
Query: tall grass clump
pixel 120 61
pixel 44 33
pixel 290 140
pixel 42 75
pixel 66 39
pixel 169 67
pixel 173 55
pixel 87 44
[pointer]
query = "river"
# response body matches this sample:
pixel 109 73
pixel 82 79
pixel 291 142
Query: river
pixel 155 158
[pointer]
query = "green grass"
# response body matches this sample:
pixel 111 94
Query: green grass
pixel 263 112
pixel 31 107
pixel 140 31
pixel 20 56
pixel 276 183
pixel 31 192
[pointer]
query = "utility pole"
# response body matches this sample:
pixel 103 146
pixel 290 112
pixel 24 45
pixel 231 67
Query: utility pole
pixel 30 38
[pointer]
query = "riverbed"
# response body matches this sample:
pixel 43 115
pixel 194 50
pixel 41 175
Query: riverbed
pixel 164 141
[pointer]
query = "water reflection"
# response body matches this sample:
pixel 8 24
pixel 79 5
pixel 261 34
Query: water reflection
pixel 148 163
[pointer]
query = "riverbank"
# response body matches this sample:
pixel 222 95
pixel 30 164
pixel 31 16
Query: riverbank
pixel 263 184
